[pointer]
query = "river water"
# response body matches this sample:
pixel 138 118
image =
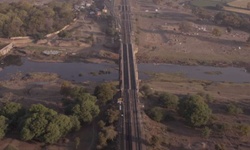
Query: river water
pixel 81 72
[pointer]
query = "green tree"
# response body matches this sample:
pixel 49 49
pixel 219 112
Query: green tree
pixel 101 124
pixel 52 133
pixel 3 126
pixel 12 27
pixel 168 100
pixel 104 92
pixel 64 124
pixel 13 111
pixel 44 124
pixel 156 113
pixel 76 125
pixel 67 89
pixel 195 110
pixel 85 108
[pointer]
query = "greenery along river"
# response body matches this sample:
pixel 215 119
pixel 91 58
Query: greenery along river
pixel 81 72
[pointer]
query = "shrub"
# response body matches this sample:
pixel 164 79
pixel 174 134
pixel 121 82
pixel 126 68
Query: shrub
pixel 233 109
pixel 157 114
pixel 219 147
pixel 169 100
pixel 216 32
pixel 206 132
pixel 146 90
pixel 244 129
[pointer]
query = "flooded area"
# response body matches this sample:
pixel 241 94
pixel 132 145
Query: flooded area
pixel 81 72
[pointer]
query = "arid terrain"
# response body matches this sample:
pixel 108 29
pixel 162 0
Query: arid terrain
pixel 158 39
pixel 162 40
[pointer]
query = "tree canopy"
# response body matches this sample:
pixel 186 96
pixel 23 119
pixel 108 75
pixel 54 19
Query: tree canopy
pixel 195 110
pixel 104 92
pixel 22 18
pixel 13 111
pixel 44 124
pixel 156 113
pixel 85 108
pixel 169 100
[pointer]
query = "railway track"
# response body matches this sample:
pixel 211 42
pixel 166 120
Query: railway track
pixel 131 120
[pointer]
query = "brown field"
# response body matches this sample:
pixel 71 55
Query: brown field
pixel 237 10
pixel 159 39
pixel 239 3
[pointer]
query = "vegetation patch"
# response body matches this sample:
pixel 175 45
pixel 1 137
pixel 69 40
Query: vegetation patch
pixel 25 19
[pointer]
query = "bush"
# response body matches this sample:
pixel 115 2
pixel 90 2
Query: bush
pixel 146 90
pixel 216 32
pixel 233 109
pixel 244 129
pixel 206 132
pixel 194 110
pixel 219 147
pixel 156 113
pixel 107 134
pixel 170 101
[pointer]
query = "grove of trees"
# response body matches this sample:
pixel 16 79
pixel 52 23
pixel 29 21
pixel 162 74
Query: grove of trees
pixel 46 125
pixel 192 108
pixel 23 18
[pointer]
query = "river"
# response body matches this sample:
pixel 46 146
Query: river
pixel 81 72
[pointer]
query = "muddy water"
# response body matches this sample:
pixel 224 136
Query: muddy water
pixel 81 72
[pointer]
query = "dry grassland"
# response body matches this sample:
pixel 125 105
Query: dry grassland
pixel 237 10
pixel 239 3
